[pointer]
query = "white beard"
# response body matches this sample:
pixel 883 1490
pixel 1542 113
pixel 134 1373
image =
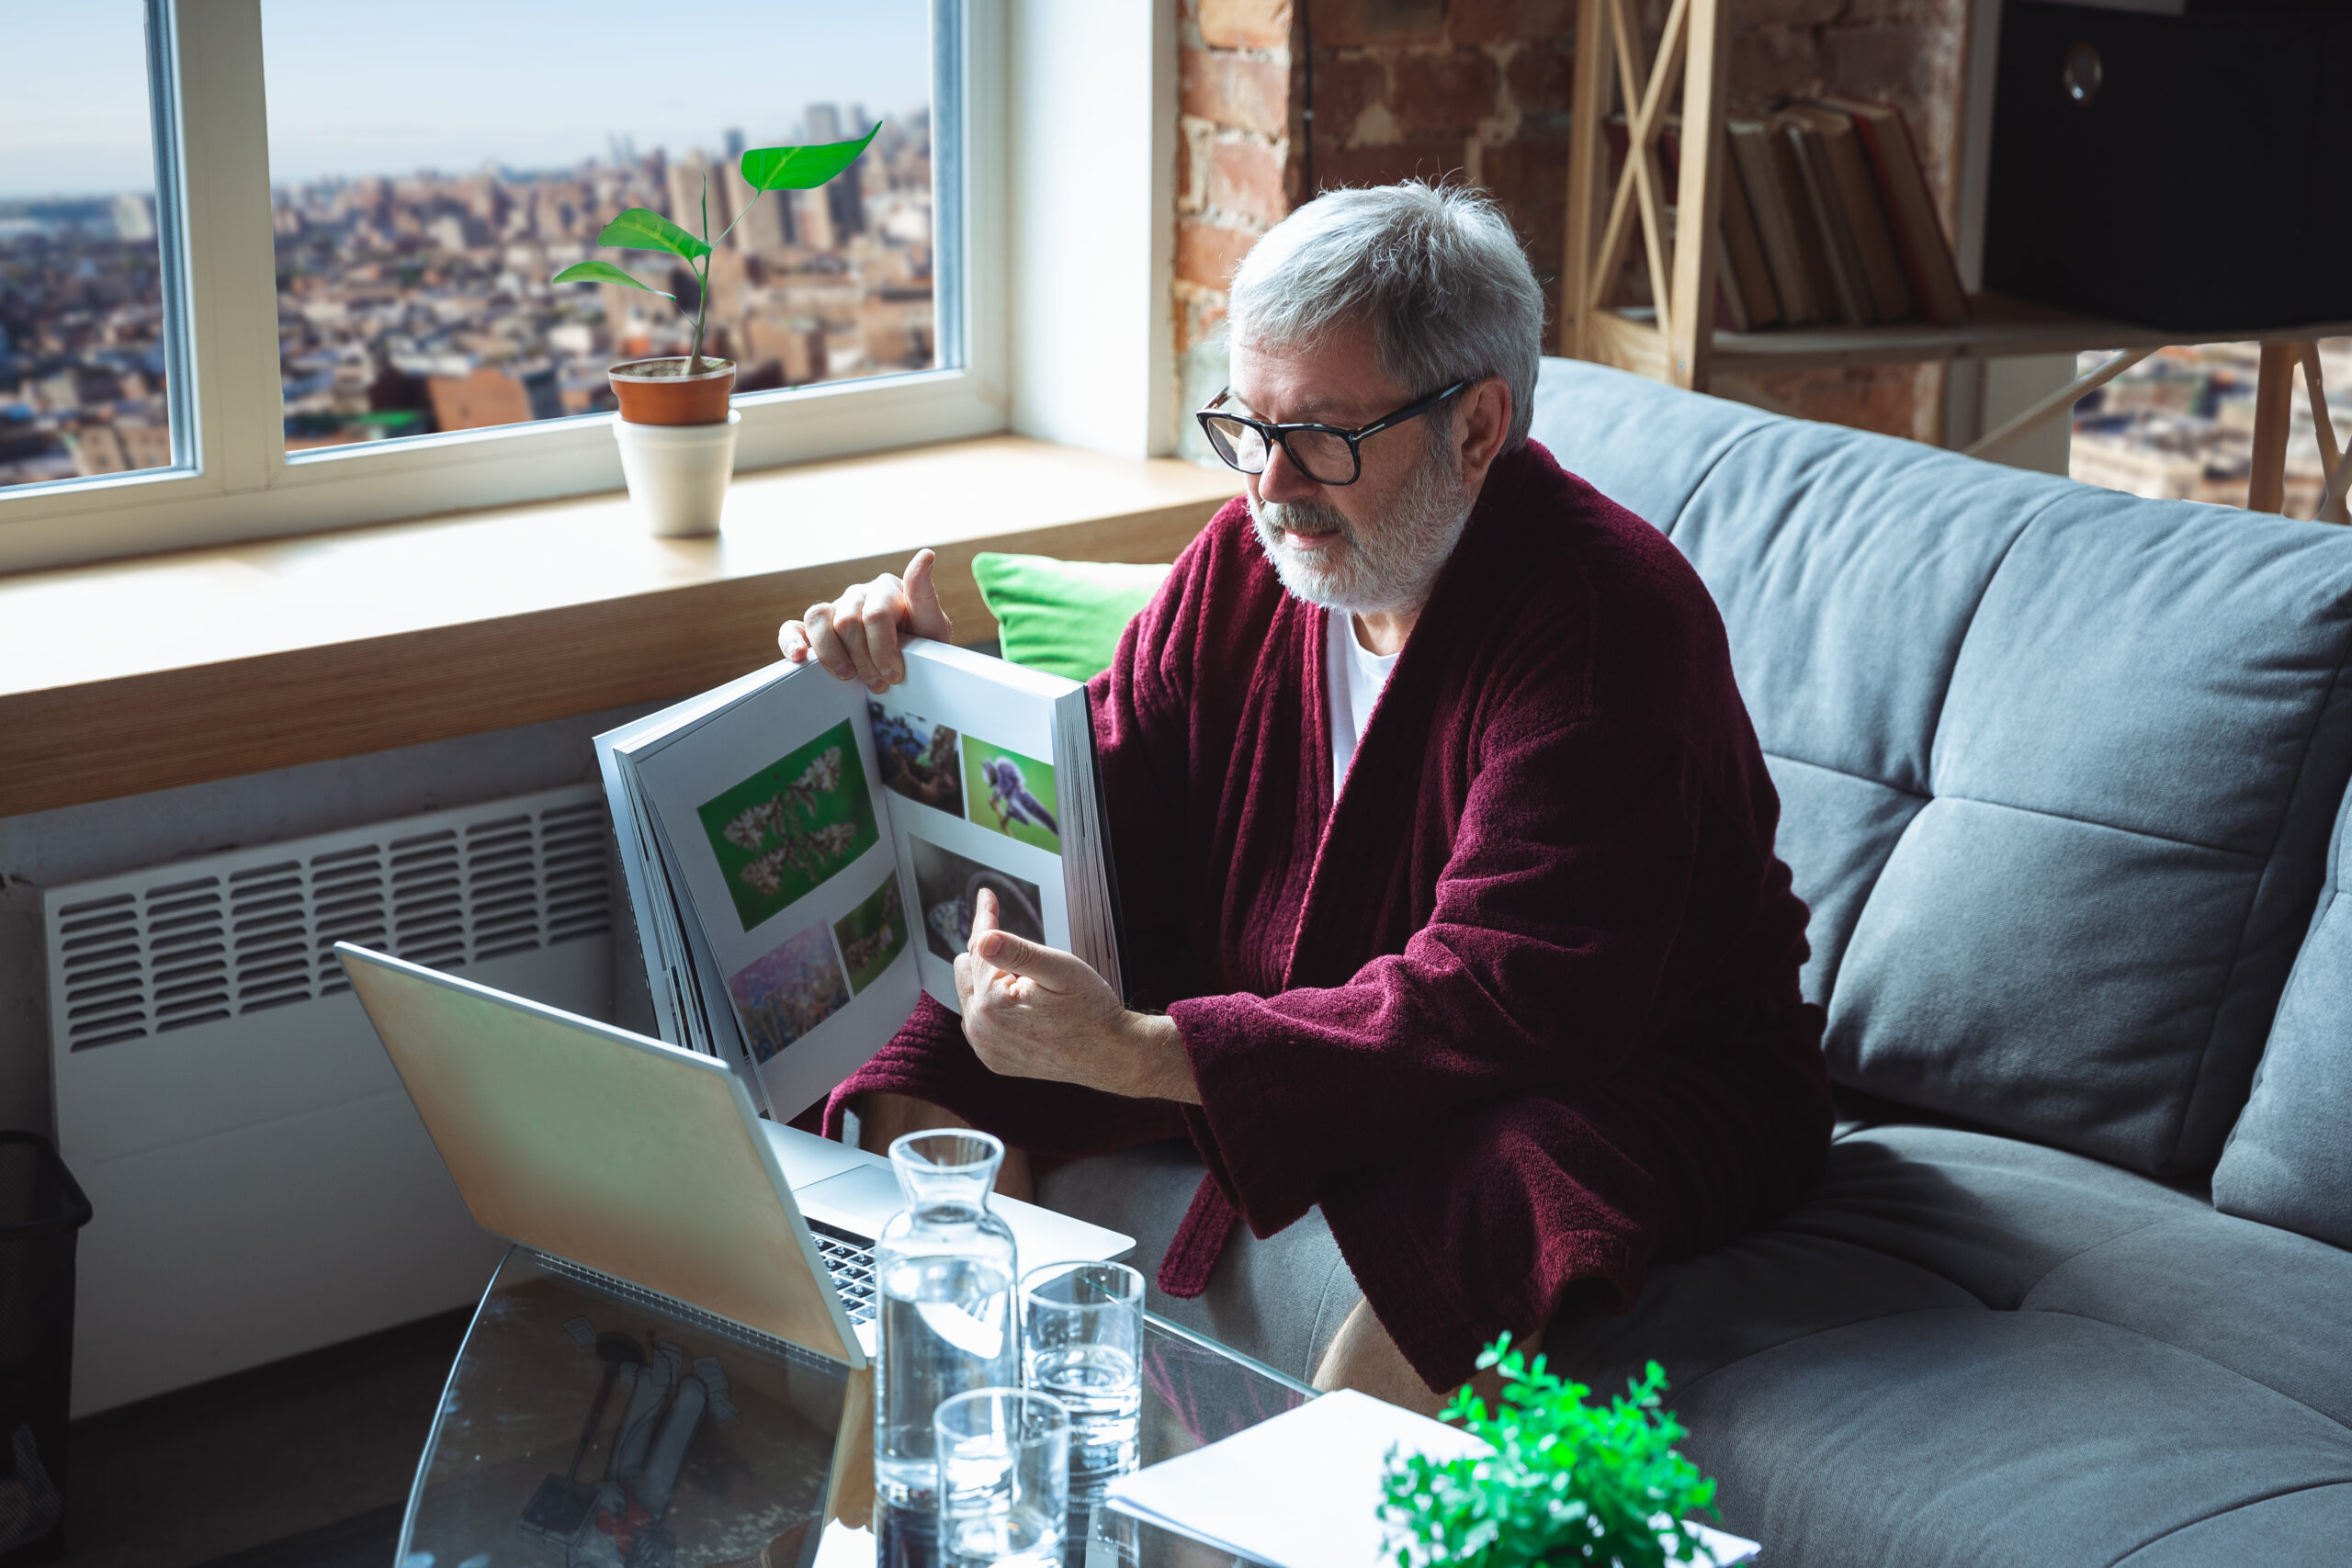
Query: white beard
pixel 1389 569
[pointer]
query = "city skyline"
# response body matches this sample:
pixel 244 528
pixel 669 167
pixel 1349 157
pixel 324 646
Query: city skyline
pixel 84 135
pixel 415 303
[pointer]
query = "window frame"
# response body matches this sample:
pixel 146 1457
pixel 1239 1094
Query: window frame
pixel 232 479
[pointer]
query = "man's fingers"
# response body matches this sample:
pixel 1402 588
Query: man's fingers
pixel 849 624
pixel 886 606
pixel 825 643
pixel 924 616
pixel 1049 966
pixel 858 636
pixel 983 922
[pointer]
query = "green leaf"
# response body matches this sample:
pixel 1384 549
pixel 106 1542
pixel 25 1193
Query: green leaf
pixel 604 272
pixel 802 168
pixel 642 228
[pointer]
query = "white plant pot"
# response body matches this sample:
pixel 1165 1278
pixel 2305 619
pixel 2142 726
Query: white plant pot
pixel 678 473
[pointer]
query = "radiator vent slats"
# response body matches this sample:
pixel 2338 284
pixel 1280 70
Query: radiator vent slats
pixel 252 930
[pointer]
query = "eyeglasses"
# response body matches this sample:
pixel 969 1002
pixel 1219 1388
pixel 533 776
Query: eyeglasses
pixel 1324 452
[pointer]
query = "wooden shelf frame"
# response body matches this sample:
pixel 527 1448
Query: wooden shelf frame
pixel 1679 341
pixel 1676 340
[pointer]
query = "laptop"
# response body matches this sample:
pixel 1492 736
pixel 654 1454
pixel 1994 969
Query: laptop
pixel 645 1163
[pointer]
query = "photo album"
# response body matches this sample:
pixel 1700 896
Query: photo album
pixel 803 858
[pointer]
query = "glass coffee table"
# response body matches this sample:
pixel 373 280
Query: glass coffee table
pixel 591 1428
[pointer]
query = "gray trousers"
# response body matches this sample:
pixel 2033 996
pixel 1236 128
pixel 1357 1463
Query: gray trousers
pixel 1280 1299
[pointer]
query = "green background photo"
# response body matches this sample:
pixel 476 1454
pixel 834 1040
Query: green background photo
pixel 848 802
pixel 883 909
pixel 1036 776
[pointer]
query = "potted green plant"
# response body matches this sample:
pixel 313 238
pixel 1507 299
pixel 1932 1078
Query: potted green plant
pixel 1566 1482
pixel 676 430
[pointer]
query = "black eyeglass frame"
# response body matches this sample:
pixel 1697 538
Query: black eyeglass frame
pixel 1274 435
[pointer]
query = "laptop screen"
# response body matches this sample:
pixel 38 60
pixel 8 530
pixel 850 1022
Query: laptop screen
pixel 615 1152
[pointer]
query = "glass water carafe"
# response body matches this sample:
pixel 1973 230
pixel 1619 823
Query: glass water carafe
pixel 945 1269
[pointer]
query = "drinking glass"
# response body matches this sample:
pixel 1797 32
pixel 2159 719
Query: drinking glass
pixel 1081 1336
pixel 1003 1479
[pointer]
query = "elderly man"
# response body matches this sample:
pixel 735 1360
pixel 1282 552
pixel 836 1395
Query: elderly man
pixel 1443 841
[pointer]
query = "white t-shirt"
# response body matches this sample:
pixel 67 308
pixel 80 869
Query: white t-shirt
pixel 1355 674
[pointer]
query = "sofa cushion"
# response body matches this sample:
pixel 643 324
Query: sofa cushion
pixel 2057 766
pixel 1968 1349
pixel 2289 1158
pixel 1063 617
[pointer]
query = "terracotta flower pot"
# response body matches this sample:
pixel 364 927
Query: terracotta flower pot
pixel 659 391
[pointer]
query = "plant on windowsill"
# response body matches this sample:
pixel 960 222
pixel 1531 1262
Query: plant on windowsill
pixel 676 429
pixel 1568 1481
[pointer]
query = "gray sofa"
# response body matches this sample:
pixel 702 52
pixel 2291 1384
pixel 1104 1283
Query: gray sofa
pixel 2061 775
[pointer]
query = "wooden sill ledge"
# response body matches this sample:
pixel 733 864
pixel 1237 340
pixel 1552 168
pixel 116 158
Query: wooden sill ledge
pixel 129 676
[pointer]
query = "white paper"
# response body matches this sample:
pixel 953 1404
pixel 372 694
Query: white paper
pixel 1303 1489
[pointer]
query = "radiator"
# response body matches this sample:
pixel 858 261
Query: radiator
pixel 261 1184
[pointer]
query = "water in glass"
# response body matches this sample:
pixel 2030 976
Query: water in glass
pixel 1012 1537
pixel 1003 1479
pixel 1099 1385
pixel 1081 1326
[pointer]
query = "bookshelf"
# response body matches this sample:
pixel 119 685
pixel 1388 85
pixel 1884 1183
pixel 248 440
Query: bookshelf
pixel 1676 340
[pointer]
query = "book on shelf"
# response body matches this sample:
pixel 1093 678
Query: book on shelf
pixel 1748 285
pixel 1910 211
pixel 804 859
pixel 1840 254
pixel 1756 163
pixel 1860 208
pixel 1826 218
pixel 1804 223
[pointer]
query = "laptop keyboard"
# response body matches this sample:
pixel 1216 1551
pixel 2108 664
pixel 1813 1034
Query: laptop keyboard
pixel 849 1259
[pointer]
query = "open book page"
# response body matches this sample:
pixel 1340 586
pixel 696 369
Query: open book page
pixel 979 797
pixel 772 821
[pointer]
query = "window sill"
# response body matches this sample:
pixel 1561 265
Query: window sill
pixel 129 676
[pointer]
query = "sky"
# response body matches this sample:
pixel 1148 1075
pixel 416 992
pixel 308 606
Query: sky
pixel 364 88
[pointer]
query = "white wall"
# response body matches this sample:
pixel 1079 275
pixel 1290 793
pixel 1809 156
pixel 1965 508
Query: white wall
pixel 1092 136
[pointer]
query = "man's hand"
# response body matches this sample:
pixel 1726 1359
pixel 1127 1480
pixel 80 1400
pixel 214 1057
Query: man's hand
pixel 1033 1012
pixel 856 636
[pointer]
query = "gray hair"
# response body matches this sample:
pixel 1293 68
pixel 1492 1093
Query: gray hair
pixel 1433 269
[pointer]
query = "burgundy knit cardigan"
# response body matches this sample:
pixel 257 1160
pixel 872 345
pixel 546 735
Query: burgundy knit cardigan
pixel 1520 1010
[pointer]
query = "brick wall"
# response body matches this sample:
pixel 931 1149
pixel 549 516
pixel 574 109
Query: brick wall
pixel 1479 90
pixel 1238 97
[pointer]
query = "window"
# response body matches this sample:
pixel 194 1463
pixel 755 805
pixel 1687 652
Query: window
pixel 414 249
pixel 86 341
pixel 381 197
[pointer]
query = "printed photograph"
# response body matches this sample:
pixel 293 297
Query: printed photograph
pixel 873 935
pixel 782 832
pixel 1012 795
pixel 791 991
pixel 917 759
pixel 949 886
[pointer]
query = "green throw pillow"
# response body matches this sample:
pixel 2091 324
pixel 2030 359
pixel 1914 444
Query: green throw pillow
pixel 1063 617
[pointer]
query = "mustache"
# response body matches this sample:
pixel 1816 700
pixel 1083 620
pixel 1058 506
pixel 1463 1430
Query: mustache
pixel 1303 517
